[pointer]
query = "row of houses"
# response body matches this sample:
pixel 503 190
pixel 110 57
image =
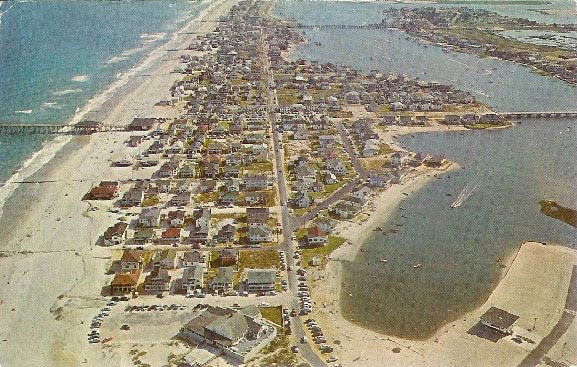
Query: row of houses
pixel 195 274
pixel 366 138
pixel 176 227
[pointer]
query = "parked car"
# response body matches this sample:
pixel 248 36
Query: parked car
pixel 326 349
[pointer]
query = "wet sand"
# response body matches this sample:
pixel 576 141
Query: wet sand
pixel 51 273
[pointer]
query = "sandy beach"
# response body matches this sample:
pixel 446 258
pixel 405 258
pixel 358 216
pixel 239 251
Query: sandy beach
pixel 50 270
pixel 534 284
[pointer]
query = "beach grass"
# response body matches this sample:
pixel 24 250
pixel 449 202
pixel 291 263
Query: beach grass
pixel 258 259
pixel 273 314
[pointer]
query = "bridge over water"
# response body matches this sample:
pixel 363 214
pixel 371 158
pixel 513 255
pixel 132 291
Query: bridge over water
pixel 540 114
pixel 342 26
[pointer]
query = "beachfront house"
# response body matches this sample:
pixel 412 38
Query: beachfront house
pixel 344 210
pixel 400 159
pixel 124 283
pixel 142 124
pixel 436 161
pixel 107 190
pixel 363 193
pixel 326 224
pixel 157 281
pixel 130 260
pixel 379 180
pixel 115 234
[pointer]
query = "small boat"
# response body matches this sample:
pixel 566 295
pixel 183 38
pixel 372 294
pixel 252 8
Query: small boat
pixel 416 266
pixel 384 260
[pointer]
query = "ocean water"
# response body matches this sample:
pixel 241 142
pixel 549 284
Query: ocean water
pixel 56 55
pixel 506 173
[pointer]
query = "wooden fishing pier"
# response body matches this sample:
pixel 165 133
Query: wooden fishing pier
pixel 81 128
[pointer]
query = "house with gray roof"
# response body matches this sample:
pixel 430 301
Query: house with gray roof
pixel 257 234
pixel 260 280
pixel 149 217
pixel 222 281
pixel 239 334
pixel 192 278
pixel 302 199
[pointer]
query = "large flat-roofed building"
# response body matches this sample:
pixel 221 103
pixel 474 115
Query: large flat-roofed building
pixel 240 334
pixel 499 320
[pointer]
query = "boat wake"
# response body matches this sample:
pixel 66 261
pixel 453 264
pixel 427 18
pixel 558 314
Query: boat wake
pixel 466 192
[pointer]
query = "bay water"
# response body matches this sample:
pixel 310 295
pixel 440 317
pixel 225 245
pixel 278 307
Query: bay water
pixel 505 172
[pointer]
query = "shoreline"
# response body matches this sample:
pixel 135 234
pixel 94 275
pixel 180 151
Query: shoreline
pixel 371 346
pixel 110 94
pixel 54 243
pixel 381 209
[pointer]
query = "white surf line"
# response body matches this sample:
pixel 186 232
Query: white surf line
pixel 51 147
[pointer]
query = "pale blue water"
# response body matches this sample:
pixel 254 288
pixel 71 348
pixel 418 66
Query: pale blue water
pixel 510 170
pixel 500 84
pixel 44 45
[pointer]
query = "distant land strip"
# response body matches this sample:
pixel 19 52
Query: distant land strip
pixel 495 2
